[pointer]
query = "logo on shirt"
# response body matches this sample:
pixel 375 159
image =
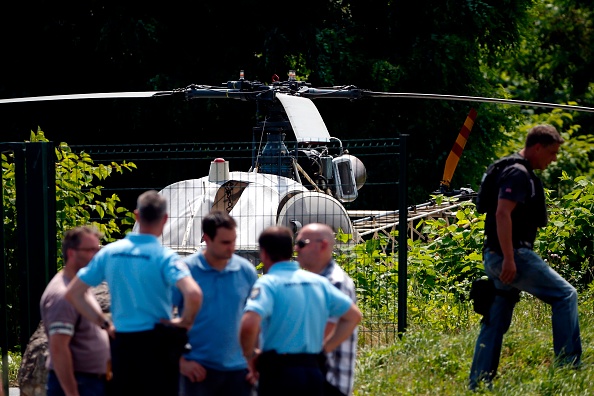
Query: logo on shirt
pixel 254 293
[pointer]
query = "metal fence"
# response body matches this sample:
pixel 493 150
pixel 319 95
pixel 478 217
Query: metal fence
pixel 358 187
pixel 300 186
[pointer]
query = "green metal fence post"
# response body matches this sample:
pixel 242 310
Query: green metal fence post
pixel 402 239
pixel 36 221
pixel 3 277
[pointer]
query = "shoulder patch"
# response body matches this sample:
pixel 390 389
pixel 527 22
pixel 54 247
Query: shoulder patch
pixel 254 293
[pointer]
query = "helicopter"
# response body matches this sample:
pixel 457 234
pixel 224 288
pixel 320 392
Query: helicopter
pixel 292 185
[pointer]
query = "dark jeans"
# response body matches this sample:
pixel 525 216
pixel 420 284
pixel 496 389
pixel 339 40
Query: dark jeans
pixel 331 390
pixel 87 385
pixel 217 383
pixel 536 277
pixel 290 375
pixel 144 363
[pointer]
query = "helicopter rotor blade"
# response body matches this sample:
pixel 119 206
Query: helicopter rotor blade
pixel 476 99
pixel 106 95
pixel 352 92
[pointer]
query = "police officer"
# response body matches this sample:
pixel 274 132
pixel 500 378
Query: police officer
pixel 290 308
pixel 140 273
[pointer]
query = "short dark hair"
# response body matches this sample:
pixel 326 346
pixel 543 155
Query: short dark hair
pixel 215 220
pixel 544 134
pixel 277 242
pixel 151 206
pixel 73 237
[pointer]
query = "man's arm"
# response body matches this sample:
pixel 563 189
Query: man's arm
pixel 248 338
pixel 504 234
pixel 77 296
pixel 330 326
pixel 249 332
pixel 344 328
pixel 192 294
pixel 59 348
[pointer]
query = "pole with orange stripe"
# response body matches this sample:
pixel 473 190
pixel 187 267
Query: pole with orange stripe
pixel 456 152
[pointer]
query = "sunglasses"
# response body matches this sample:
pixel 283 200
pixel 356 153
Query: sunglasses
pixel 301 243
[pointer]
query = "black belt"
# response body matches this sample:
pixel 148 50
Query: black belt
pixel 101 377
pixel 274 359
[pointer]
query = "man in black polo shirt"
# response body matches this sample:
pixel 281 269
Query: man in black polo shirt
pixel 510 231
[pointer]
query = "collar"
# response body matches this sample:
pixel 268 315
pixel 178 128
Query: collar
pixel 232 265
pixel 143 238
pixel 284 266
pixel 328 269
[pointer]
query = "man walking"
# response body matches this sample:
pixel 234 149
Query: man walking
pixel 510 231
pixel 290 308
pixel 78 349
pixel 314 246
pixel 215 366
pixel 140 273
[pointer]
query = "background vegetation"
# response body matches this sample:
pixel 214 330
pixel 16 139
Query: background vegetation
pixel 79 201
pixel 434 355
pixel 527 49
pixel 538 50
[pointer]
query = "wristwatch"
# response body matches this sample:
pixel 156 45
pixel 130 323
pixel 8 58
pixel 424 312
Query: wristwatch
pixel 105 324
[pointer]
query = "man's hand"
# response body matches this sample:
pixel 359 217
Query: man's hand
pixel 508 271
pixel 253 375
pixel 191 369
pixel 178 322
pixel 111 331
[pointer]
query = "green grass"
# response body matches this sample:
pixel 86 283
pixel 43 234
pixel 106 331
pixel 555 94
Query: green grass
pixel 437 362
pixel 428 360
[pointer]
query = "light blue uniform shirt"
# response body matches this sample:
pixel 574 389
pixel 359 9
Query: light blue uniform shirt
pixel 215 334
pixel 295 305
pixel 140 273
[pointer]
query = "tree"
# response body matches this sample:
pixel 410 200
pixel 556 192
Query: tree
pixel 554 58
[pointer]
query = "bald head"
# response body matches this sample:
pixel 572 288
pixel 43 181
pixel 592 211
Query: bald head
pixel 315 243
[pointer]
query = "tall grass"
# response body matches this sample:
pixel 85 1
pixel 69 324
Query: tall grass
pixel 435 360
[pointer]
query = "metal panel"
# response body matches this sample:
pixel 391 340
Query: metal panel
pixel 305 119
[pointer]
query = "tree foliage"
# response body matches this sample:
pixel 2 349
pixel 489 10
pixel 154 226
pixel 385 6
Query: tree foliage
pixel 554 57
pixel 79 201
pixel 103 46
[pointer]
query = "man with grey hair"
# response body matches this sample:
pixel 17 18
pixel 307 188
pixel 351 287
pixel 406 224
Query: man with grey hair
pixel 140 273
pixel 314 246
